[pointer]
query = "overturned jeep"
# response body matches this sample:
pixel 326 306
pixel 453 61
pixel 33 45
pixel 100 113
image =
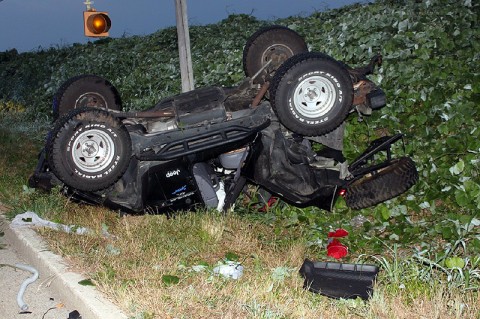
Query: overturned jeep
pixel 280 129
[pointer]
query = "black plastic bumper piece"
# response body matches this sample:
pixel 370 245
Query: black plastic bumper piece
pixel 337 280
pixel 181 142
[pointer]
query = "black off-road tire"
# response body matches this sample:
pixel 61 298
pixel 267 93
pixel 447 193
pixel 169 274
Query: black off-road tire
pixel 85 91
pixel 381 185
pixel 276 43
pixel 89 149
pixel 311 94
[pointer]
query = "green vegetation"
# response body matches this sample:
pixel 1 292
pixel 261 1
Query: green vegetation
pixel 427 241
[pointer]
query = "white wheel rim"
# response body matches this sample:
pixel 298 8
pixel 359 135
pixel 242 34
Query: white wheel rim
pixel 93 151
pixel 91 99
pixel 277 53
pixel 315 96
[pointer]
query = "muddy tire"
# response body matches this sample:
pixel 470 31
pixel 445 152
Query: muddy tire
pixel 311 94
pixel 383 184
pixel 276 43
pixel 85 91
pixel 89 149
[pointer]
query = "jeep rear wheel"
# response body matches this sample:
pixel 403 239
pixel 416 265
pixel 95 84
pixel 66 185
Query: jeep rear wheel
pixel 273 43
pixel 382 184
pixel 89 149
pixel 312 94
pixel 85 91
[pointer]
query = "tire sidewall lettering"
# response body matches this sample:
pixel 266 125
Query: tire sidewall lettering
pixel 102 127
pixel 99 175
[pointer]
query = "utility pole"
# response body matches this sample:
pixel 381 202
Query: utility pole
pixel 186 69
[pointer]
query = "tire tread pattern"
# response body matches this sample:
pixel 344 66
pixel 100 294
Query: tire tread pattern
pixel 390 182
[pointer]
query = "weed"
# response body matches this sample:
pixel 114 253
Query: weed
pixel 427 243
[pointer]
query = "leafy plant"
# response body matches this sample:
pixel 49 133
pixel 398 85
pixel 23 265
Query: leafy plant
pixel 431 75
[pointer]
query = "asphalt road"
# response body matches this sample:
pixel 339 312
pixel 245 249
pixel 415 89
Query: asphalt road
pixel 42 302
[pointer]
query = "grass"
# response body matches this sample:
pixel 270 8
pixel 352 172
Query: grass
pixel 130 266
pixel 132 259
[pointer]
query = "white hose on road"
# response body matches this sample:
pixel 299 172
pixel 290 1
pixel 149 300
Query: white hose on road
pixel 24 285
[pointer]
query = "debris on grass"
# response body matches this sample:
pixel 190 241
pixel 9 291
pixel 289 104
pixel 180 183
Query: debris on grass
pixel 29 219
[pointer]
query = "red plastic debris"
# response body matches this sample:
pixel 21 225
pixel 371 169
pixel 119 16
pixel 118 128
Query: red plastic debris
pixel 271 201
pixel 335 248
pixel 338 233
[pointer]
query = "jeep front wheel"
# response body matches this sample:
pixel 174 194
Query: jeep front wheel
pixel 89 149
pixel 312 94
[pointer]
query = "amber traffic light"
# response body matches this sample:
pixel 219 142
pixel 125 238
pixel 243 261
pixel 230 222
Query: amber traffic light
pixel 96 24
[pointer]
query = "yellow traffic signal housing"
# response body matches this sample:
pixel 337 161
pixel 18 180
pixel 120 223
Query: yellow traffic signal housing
pixel 96 24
